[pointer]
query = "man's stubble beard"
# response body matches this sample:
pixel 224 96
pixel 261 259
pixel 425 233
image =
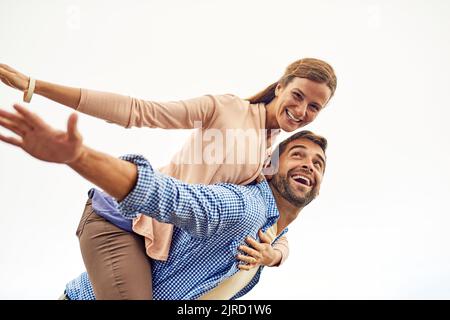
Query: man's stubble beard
pixel 281 184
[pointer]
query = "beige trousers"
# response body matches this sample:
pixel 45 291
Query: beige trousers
pixel 115 259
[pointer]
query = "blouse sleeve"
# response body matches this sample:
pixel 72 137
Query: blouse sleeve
pixel 282 245
pixel 132 112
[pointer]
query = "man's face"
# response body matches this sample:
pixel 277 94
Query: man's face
pixel 301 168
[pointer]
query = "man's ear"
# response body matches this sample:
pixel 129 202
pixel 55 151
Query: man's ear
pixel 269 170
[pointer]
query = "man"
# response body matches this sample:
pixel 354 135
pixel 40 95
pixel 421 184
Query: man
pixel 211 221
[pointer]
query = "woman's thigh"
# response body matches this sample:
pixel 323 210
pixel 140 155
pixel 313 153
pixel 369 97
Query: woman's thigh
pixel 115 259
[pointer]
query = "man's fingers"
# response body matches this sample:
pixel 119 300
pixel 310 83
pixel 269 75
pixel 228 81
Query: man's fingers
pixel 16 118
pixel 11 126
pixel 31 118
pixel 11 140
pixel 72 130
pixel 250 251
pixel 264 237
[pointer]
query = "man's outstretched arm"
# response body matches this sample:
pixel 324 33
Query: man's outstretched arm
pixel 117 177
pixel 201 210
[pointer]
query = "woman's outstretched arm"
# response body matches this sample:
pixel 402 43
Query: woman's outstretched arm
pixel 67 96
pixel 120 109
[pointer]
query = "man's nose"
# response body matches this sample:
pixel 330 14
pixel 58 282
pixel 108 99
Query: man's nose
pixel 307 167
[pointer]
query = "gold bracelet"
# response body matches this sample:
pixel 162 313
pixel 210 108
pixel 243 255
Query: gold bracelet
pixel 29 92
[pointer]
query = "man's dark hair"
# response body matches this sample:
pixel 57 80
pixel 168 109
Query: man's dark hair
pixel 304 134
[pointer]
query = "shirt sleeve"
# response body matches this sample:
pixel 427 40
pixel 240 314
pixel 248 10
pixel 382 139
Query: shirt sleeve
pixel 132 112
pixel 201 210
pixel 282 245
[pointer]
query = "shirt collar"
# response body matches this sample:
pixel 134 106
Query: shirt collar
pixel 272 212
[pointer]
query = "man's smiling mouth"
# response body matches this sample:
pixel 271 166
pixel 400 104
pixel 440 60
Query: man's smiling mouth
pixel 301 179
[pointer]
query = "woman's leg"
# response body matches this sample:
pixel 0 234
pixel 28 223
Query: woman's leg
pixel 115 259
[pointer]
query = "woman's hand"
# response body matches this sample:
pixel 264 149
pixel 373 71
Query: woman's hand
pixel 259 253
pixel 13 78
pixel 39 139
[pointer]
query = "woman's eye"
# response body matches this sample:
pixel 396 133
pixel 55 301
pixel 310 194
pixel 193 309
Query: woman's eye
pixel 298 96
pixel 314 107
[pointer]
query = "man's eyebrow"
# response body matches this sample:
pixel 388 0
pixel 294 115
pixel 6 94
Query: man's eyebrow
pixel 303 147
pixel 297 146
pixel 321 158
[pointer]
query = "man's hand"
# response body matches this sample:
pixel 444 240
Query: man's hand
pixel 39 139
pixel 259 253
pixel 116 177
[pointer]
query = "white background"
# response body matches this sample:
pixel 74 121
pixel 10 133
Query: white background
pixel 380 227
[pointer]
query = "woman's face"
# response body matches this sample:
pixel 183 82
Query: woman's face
pixel 299 103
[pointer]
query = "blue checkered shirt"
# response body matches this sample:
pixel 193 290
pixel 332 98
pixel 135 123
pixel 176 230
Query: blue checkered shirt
pixel 210 221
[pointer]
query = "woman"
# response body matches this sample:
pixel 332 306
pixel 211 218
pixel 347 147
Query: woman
pixel 107 246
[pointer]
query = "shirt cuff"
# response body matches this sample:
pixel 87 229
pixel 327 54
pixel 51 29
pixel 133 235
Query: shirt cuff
pixel 132 204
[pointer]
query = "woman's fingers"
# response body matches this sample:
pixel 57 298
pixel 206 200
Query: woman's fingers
pixel 250 251
pixel 251 259
pixel 246 259
pixel 246 267
pixel 4 72
pixel 255 244
pixel 11 140
pixel 6 67
pixel 264 237
pixel 12 77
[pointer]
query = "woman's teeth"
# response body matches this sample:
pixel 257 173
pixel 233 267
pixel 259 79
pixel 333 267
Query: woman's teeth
pixel 291 116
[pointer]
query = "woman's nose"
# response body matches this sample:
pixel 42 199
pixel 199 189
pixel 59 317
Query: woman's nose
pixel 300 110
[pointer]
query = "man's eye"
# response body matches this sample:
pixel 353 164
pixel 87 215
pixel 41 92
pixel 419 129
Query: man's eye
pixel 298 155
pixel 318 164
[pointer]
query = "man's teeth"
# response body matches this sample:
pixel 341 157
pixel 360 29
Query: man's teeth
pixel 301 179
pixel 291 116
